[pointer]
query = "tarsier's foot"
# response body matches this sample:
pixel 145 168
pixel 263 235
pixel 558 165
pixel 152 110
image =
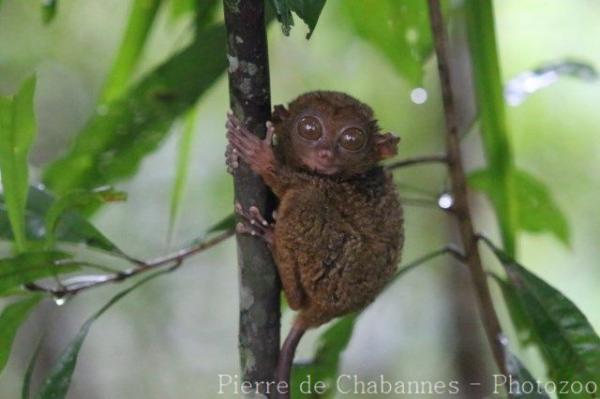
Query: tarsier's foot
pixel 254 223
pixel 243 144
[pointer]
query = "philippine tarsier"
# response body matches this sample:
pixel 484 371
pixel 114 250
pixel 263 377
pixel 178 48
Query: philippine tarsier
pixel 338 230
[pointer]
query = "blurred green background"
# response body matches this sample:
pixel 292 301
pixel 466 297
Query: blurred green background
pixel 173 337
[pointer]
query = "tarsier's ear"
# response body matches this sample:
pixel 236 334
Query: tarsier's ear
pixel 279 113
pixel 386 144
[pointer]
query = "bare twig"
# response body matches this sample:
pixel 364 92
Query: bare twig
pixel 420 160
pixel 459 191
pixel 77 284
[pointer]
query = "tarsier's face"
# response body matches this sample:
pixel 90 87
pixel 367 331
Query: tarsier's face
pixel 328 145
pixel 331 133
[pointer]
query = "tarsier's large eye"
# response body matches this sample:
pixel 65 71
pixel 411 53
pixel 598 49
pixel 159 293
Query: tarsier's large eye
pixel 309 127
pixel 353 139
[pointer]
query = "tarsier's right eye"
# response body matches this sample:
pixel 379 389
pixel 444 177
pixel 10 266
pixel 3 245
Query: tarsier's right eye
pixel 309 127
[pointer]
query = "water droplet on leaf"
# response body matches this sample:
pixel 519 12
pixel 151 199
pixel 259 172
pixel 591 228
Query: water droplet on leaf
pixel 418 95
pixel 445 201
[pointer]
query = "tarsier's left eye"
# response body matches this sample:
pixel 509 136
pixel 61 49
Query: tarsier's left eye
pixel 353 139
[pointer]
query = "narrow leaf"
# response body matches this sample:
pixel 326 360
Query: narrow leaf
pixel 11 318
pixel 494 133
pixel 30 266
pixel 324 366
pixel 141 19
pixel 308 10
pixel 124 131
pixel 205 10
pixel 518 316
pixel 536 209
pixel 183 164
pixel 226 223
pixel 569 343
pixel 399 29
pixel 17 132
pixel 70 227
pixel 49 8
pixel 523 380
pixel 57 383
pixel 26 389
pixel 77 199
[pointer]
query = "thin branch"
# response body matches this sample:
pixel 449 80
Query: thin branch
pixel 459 190
pixel 81 283
pixel 420 160
pixel 447 250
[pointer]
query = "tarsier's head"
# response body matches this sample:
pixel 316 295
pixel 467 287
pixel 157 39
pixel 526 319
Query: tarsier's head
pixel 330 133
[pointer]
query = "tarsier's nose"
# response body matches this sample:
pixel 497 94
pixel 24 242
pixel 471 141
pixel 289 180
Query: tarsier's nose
pixel 325 155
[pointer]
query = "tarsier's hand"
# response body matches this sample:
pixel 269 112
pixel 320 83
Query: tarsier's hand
pixel 257 153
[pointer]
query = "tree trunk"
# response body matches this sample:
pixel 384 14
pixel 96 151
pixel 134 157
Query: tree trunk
pixel 259 282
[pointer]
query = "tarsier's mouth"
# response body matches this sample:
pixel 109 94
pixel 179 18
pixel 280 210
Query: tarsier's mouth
pixel 319 168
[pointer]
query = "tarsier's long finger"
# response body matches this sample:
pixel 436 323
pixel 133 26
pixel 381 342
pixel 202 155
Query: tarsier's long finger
pixel 269 134
pixel 256 217
pixel 243 149
pixel 243 228
pixel 248 139
pixel 234 123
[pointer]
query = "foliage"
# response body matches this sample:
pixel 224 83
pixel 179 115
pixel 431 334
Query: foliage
pixel 124 131
pixel 324 366
pixel 141 19
pixel 133 118
pixel 58 381
pixel 488 87
pixel 183 164
pixel 67 225
pixel 11 319
pixel 535 208
pixel 566 338
pixel 17 133
pixel 308 10
pixel 400 30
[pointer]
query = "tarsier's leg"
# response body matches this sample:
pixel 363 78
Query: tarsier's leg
pixel 254 224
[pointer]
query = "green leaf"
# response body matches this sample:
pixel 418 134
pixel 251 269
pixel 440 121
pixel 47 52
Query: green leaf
pixel 182 7
pixel 30 266
pixel 490 97
pixel 183 164
pixel 397 28
pixel 324 366
pixel 205 10
pixel 71 226
pixel 17 132
pixel 226 223
pixel 26 389
pixel 49 10
pixel 308 10
pixel 536 209
pixel 56 384
pixel 570 345
pixel 77 199
pixel 523 380
pixel 11 318
pixel 141 19
pixel 124 131
pixel 517 314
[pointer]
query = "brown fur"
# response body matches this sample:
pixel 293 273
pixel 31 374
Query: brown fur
pixel 338 235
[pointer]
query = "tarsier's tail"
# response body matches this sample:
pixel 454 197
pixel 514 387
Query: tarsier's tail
pixel 286 358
